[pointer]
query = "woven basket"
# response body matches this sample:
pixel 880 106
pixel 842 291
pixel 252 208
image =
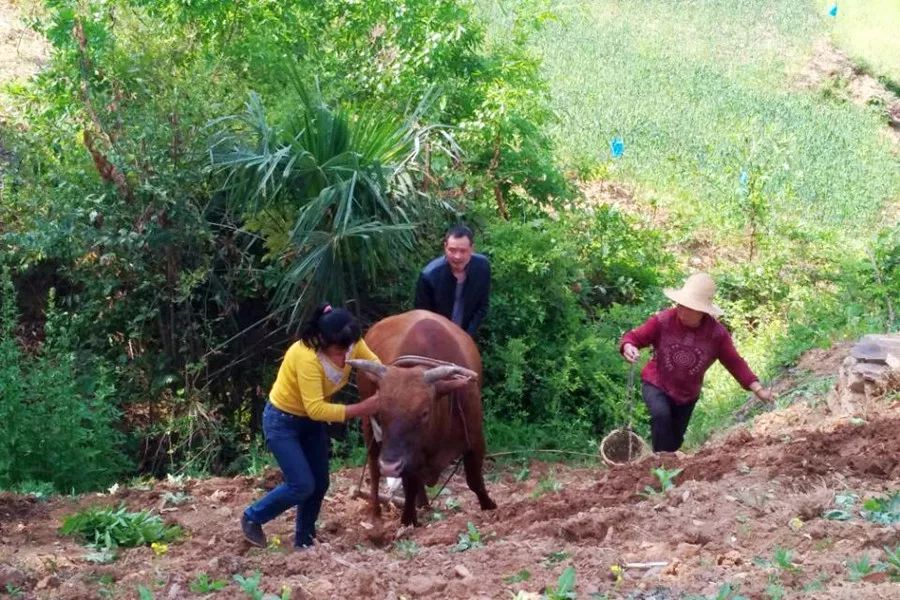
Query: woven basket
pixel 622 446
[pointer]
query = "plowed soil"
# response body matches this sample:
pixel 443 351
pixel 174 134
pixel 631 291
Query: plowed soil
pixel 736 502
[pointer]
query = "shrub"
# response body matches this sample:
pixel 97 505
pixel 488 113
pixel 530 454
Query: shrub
pixel 57 410
pixel 545 358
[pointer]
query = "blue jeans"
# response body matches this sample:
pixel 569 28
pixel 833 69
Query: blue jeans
pixel 301 447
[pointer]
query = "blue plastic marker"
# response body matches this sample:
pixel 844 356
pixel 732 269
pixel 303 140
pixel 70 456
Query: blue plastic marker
pixel 617 147
pixel 744 179
pixel 832 12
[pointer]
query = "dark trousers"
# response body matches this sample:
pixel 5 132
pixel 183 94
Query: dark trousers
pixel 668 420
pixel 301 447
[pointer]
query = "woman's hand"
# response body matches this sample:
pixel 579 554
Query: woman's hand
pixel 630 352
pixel 762 393
pixel 367 407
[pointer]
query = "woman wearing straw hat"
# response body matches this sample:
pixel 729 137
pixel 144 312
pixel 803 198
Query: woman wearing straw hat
pixel 686 339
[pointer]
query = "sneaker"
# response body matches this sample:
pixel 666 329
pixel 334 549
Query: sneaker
pixel 253 532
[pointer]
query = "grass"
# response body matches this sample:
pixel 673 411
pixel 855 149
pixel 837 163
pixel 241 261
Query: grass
pixel 867 29
pixel 700 91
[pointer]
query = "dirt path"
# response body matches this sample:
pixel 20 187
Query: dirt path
pixel 22 51
pixel 754 491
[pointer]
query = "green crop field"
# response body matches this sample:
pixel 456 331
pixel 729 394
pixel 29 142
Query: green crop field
pixel 698 92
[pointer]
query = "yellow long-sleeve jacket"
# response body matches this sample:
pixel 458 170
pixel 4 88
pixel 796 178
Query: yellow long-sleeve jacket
pixel 307 380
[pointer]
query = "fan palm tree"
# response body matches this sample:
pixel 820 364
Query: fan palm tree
pixel 332 191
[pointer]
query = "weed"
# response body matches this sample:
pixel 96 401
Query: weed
pixel 108 528
pixel 565 587
pixel 202 584
pixel 519 577
pixel 893 558
pixel 523 474
pixel 469 540
pixel 101 556
pixel 783 559
pixel 665 478
pixel 144 593
pixel 775 589
pixel 250 585
pixel 556 557
pixel 176 498
pixel 816 585
pixel 547 484
pixel 14 591
pixel 40 490
pixel 727 593
pixel 407 548
pixel 884 510
pixel 861 567
pixel 823 544
pixel 452 504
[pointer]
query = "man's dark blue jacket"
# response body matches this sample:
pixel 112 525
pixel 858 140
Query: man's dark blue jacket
pixel 437 285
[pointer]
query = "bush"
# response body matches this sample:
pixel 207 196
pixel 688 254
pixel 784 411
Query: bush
pixel 546 360
pixel 57 410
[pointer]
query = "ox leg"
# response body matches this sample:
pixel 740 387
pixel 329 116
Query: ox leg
pixel 422 496
pixel 473 461
pixel 374 479
pixel 411 486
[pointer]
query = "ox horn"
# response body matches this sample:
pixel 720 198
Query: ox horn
pixel 437 373
pixel 369 366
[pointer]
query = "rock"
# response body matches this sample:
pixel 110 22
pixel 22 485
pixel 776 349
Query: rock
pixel 462 571
pixel 10 577
pixel 870 371
pixel 877 577
pixel 698 534
pixel 50 581
pixel 730 558
pixel 424 585
pixel 686 550
pixel 43 564
pixel 672 568
pixel 320 588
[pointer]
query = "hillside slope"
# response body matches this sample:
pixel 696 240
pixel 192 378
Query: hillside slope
pixel 740 502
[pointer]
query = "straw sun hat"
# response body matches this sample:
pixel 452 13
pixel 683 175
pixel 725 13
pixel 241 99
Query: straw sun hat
pixel 696 293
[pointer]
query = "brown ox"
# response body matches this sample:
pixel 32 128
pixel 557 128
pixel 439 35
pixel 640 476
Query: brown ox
pixel 429 416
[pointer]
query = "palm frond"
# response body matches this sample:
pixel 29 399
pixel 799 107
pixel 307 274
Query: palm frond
pixel 346 176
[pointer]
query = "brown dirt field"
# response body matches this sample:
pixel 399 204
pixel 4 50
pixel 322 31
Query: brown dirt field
pixel 736 501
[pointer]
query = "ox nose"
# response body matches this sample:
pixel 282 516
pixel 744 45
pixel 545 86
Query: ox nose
pixel 391 468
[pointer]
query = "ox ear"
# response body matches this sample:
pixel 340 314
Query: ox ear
pixel 371 369
pixel 445 386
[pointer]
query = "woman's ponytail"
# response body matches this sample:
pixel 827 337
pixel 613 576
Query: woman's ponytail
pixel 330 326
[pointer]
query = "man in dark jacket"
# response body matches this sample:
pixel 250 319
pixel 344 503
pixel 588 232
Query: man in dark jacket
pixel 457 285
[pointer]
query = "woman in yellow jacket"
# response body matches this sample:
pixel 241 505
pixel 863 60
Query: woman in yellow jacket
pixel 313 369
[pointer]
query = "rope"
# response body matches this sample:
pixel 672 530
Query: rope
pixel 535 450
pixel 629 397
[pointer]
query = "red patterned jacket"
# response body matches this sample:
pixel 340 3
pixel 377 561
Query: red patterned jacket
pixel 681 354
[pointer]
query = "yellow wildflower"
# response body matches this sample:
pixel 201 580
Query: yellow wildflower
pixel 159 548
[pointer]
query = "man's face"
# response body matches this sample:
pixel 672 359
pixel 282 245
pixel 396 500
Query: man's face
pixel 458 251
